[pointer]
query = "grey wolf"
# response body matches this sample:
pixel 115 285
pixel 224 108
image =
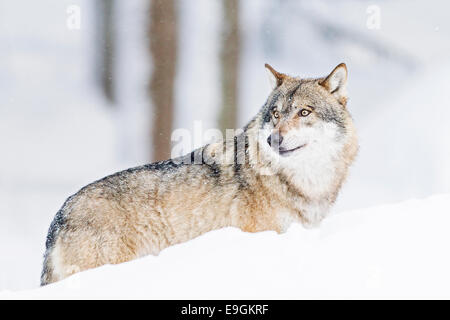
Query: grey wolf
pixel 286 165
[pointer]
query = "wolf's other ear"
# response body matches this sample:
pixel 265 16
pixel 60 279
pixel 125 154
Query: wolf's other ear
pixel 336 83
pixel 275 78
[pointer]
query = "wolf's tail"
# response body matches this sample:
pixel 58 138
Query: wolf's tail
pixel 47 270
pixel 47 274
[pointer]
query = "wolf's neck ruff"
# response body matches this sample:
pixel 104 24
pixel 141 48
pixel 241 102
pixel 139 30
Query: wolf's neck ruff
pixel 259 180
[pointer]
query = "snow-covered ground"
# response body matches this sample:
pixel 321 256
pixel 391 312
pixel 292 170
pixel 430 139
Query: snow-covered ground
pixel 391 251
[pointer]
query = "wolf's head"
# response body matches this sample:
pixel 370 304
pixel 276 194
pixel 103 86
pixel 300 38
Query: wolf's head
pixel 303 114
pixel 305 124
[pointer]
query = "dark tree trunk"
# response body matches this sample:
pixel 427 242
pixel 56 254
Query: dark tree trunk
pixel 107 43
pixel 163 49
pixel 230 64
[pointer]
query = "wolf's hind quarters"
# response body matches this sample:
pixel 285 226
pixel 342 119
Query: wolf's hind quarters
pixel 64 262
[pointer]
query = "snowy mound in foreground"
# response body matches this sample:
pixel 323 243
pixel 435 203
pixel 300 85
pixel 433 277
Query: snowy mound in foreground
pixel 392 251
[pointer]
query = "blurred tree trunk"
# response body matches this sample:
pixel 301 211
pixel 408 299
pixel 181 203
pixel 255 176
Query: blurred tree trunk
pixel 229 58
pixel 107 55
pixel 163 49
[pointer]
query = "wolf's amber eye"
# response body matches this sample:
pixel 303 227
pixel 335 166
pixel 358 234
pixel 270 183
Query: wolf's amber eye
pixel 304 113
pixel 276 114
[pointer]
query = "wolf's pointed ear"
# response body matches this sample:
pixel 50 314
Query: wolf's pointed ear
pixel 275 78
pixel 336 83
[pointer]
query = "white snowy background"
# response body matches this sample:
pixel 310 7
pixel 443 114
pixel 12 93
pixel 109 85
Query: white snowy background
pixel 58 133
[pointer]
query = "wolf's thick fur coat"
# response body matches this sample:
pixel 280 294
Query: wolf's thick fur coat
pixel 143 210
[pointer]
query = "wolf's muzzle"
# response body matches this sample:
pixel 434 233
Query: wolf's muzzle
pixel 275 138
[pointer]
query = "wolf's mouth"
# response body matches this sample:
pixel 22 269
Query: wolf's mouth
pixel 285 152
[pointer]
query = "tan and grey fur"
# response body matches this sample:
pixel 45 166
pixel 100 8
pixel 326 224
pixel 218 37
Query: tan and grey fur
pixel 248 182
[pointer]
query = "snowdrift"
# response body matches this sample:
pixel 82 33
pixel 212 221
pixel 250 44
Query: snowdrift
pixel 391 251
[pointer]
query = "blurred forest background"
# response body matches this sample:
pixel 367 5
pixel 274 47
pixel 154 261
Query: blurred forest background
pixel 88 88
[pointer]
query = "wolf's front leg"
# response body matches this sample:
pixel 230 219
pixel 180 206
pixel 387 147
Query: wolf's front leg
pixel 313 214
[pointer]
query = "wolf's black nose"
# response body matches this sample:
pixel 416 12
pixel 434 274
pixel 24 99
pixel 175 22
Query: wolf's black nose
pixel 275 138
